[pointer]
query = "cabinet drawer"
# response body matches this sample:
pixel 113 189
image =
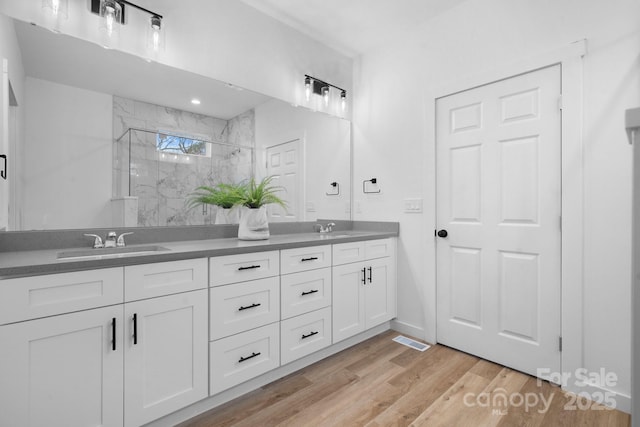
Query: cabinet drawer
pixel 305 291
pixel 303 259
pixel 344 253
pixel 164 278
pixel 242 306
pixel 39 296
pixel 240 357
pixel 239 268
pixel 305 334
pixel 378 248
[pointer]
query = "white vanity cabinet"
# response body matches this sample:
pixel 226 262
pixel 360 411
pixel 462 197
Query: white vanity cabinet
pixel 65 369
pixel 364 286
pixel 125 363
pixel 306 301
pixel 165 338
pixel 244 315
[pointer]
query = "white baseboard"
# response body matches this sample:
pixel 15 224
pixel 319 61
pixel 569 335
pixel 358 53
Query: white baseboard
pixel 211 402
pixel 407 329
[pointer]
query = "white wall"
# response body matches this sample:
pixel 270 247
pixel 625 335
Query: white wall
pixel 327 156
pixel 10 50
pixel 223 39
pixel 67 157
pixel 394 141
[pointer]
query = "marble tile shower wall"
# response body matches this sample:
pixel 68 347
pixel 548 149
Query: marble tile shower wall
pixel 161 183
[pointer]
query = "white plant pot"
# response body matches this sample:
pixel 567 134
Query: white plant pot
pixel 227 216
pixel 254 224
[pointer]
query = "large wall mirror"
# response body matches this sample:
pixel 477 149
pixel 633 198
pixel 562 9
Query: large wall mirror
pixel 105 139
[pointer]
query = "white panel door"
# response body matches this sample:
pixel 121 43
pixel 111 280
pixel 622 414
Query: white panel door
pixel 166 365
pixel 498 199
pixel 63 371
pixel 284 164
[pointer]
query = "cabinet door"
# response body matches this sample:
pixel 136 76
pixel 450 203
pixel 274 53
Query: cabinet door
pixel 379 292
pixel 348 300
pixel 63 370
pixel 166 355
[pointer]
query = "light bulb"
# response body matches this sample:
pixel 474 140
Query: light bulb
pixel 343 100
pixel 156 25
pixel 325 95
pixel 111 11
pixel 307 87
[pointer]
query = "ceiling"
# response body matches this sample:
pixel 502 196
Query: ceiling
pixel 353 27
pixel 55 57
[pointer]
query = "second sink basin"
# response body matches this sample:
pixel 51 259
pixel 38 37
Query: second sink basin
pixel 110 252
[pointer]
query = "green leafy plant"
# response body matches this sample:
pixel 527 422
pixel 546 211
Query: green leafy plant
pixel 224 195
pixel 257 194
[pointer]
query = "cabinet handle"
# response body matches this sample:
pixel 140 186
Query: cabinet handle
pixel 313 291
pixel 370 274
pixel 310 334
pixel 313 258
pixel 247 307
pixel 251 267
pixel 364 276
pixel 244 359
pixel 135 328
pixel 3 172
pixel 113 334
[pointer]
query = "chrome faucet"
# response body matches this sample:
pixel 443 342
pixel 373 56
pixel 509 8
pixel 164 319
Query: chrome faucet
pixel 110 240
pixel 325 228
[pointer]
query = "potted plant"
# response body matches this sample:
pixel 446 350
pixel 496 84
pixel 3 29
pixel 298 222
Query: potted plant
pixel 224 196
pixel 254 223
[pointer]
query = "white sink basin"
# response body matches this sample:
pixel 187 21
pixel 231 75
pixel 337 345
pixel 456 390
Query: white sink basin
pixel 101 253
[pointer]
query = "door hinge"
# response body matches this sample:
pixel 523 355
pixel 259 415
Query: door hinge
pixel 559 343
pixel 560 106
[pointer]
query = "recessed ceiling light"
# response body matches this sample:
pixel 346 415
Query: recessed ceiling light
pixel 195 101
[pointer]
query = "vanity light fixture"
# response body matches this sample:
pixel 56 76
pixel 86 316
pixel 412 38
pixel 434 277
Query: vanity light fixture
pixel 316 86
pixel 113 12
pixel 57 8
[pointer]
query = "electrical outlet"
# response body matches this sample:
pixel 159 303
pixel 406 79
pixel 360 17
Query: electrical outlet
pixel 413 205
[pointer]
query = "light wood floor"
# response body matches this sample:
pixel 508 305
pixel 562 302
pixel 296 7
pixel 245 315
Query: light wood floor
pixel 382 383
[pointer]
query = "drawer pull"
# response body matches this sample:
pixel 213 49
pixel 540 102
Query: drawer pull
pixel 251 267
pixel 310 334
pixel 113 334
pixel 313 291
pixel 244 359
pixel 313 258
pixel 135 328
pixel 247 307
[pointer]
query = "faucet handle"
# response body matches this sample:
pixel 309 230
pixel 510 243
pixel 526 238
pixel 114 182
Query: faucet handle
pixel 330 226
pixel 120 242
pixel 97 242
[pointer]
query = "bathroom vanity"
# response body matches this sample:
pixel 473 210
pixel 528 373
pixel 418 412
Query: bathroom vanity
pixel 125 339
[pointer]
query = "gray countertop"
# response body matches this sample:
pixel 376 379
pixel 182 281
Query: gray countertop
pixel 46 261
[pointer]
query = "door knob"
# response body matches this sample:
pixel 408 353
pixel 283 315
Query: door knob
pixel 443 233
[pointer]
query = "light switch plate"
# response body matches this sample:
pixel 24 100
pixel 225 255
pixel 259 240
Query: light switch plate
pixel 413 205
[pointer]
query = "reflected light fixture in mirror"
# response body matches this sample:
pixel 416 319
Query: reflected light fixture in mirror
pixel 54 12
pixel 57 8
pixel 111 11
